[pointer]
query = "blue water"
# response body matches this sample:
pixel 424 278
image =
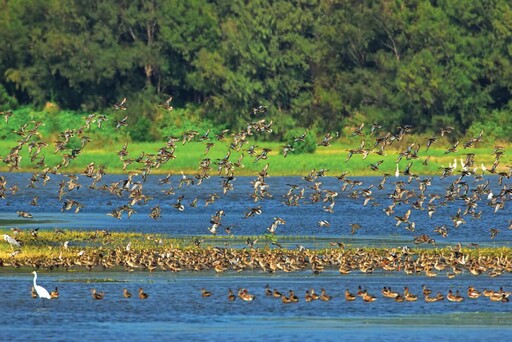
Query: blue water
pixel 175 308
pixel 376 227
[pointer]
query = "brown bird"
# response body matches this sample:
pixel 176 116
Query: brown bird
pixel 7 114
pixel 142 294
pixel 120 105
pixel 122 122
pixel 126 294
pixel 167 104
pixel 54 294
pixel 97 295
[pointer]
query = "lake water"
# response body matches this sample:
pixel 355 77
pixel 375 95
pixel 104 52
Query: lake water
pixel 175 308
pixel 301 221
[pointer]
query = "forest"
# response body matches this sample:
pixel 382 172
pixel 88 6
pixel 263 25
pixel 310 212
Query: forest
pixel 320 65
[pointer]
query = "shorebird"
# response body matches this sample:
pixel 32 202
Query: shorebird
pixel 12 241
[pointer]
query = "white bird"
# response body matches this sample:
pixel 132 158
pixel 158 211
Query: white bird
pixel 13 242
pixel 490 196
pixel 397 172
pixel 41 291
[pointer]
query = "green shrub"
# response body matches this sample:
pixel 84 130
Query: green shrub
pixel 141 130
pixel 496 126
pixel 7 102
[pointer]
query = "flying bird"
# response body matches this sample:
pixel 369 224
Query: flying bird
pixel 120 105
pixel 122 122
pixel 167 104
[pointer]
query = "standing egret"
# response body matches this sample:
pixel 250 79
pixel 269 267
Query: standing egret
pixel 41 291
pixel 13 242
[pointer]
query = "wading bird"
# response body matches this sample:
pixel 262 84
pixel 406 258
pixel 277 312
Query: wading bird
pixel 12 241
pixel 41 291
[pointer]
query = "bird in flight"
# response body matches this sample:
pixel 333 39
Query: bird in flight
pixel 167 104
pixel 122 122
pixel 120 105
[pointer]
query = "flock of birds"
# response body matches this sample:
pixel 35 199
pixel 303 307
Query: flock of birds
pixel 469 194
pixel 310 294
pixel 409 195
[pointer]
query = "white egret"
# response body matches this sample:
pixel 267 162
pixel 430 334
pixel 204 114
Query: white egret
pixel 41 291
pixel 13 242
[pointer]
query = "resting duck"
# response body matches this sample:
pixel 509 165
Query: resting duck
pixel 409 296
pixel 368 297
pixel 473 293
pixel 499 296
pixel 293 297
pixel 399 298
pixel 314 296
pixel 454 297
pixel 324 296
pixel 349 296
pixel 205 293
pixel 54 294
pixel 437 298
pixel 231 295
pixel 388 293
pixel 97 295
pixel 142 294
pixel 425 290
pixel 285 300
pixel 126 294
pixel 245 295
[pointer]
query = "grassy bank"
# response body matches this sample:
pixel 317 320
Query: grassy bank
pixel 71 250
pixel 188 157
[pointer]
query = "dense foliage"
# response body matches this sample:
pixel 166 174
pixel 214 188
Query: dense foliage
pixel 314 64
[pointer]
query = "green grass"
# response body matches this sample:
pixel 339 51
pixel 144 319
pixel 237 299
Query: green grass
pixel 188 157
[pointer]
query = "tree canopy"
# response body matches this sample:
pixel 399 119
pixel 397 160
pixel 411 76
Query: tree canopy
pixel 315 64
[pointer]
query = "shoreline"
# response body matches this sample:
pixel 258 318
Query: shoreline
pixel 154 253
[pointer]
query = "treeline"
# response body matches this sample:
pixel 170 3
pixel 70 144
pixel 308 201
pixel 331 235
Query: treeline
pixel 323 65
